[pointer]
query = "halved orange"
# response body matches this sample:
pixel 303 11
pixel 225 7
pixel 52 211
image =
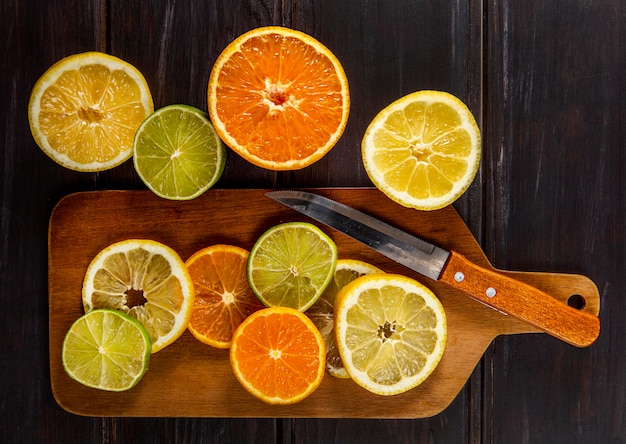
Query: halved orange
pixel 279 98
pixel 223 298
pixel 278 355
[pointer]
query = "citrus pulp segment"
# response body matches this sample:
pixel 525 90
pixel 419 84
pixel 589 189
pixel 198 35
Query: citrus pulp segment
pixel 145 279
pixel 391 332
pixel 223 298
pixel 291 264
pixel 107 350
pixel 423 150
pixel 177 152
pixel 321 313
pixel 277 354
pixel 85 109
pixel 279 98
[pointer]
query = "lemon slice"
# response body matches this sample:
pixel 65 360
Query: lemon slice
pixel 423 150
pixel 391 332
pixel 145 279
pixel 291 264
pixel 107 350
pixel 321 313
pixel 177 153
pixel 85 109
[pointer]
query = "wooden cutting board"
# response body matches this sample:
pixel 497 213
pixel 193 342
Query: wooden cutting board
pixel 191 379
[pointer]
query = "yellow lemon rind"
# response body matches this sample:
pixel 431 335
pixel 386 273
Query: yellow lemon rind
pixel 403 197
pixel 74 62
pixel 179 271
pixel 348 296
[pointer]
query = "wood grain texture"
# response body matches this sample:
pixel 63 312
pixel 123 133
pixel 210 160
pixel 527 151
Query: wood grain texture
pixel 545 81
pixel 554 94
pixel 178 384
pixel 527 303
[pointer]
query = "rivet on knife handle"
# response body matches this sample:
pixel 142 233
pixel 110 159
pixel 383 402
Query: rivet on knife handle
pixel 521 300
pixel 496 290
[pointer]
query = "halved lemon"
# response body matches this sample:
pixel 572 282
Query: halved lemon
pixel 85 109
pixel 391 332
pixel 145 279
pixel 321 313
pixel 423 150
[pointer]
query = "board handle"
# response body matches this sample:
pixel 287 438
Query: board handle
pixel 522 301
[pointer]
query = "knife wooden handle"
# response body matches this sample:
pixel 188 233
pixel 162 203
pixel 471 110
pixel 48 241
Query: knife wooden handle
pixel 522 301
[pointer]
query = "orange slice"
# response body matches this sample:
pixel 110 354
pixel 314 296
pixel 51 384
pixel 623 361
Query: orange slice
pixel 85 109
pixel 278 355
pixel 223 298
pixel 279 98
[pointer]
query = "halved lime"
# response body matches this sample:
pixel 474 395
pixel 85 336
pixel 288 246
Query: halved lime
pixel 321 313
pixel 177 152
pixel 107 350
pixel 291 264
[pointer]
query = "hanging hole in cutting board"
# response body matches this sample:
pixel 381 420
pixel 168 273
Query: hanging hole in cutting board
pixel 576 301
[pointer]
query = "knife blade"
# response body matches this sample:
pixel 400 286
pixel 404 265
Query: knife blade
pixel 500 292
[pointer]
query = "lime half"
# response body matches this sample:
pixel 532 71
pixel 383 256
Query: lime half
pixel 107 350
pixel 291 264
pixel 177 152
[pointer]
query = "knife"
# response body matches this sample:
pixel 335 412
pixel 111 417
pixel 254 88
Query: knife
pixel 500 292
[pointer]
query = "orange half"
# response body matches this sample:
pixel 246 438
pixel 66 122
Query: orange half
pixel 279 98
pixel 223 298
pixel 278 355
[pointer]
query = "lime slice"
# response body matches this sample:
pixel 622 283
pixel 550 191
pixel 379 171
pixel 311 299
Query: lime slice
pixel 177 153
pixel 107 350
pixel 291 264
pixel 321 313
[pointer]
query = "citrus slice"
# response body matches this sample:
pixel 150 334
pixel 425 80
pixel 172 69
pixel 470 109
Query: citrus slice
pixel 85 109
pixel 107 350
pixel 391 332
pixel 321 313
pixel 145 279
pixel 291 264
pixel 423 150
pixel 177 153
pixel 278 98
pixel 223 298
pixel 277 354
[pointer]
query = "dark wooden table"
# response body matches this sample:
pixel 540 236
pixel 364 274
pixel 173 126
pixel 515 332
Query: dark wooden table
pixel 546 80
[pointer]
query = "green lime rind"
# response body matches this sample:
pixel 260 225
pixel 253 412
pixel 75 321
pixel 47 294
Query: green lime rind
pixel 177 153
pixel 107 350
pixel 291 264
